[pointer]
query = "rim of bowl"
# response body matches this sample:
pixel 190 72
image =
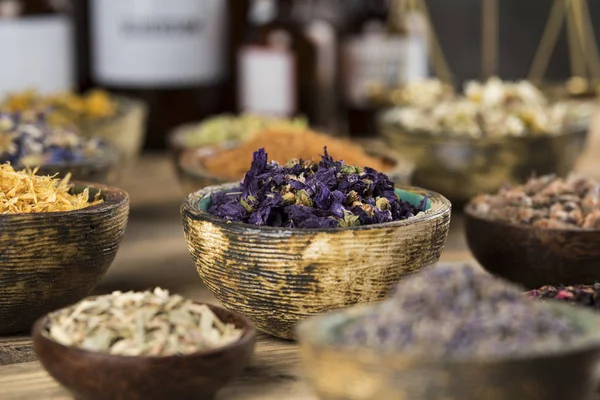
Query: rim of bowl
pixel 590 340
pixel 248 336
pixel 571 130
pixel 114 198
pixel 468 211
pixel 439 206
pixel 189 154
pixel 124 105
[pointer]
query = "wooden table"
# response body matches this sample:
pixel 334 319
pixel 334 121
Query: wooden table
pixel 153 241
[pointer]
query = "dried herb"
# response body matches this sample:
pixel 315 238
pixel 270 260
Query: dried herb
pixel 451 311
pixel 28 139
pixel 284 143
pixel 583 295
pixel 546 202
pixel 26 192
pixel 305 194
pixel 140 324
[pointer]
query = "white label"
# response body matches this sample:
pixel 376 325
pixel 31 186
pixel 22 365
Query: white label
pixel 36 54
pixel 379 60
pixel 143 43
pixel 267 81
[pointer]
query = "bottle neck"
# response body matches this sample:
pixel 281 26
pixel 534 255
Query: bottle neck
pixel 263 12
pixel 396 21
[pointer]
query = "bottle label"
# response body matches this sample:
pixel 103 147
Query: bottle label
pixel 378 61
pixel 158 43
pixel 36 54
pixel 267 81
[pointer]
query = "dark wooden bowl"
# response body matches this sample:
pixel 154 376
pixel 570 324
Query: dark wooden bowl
pixel 463 167
pixel 279 276
pixel 50 260
pixel 99 376
pixel 533 256
pixel 193 176
pixel 337 372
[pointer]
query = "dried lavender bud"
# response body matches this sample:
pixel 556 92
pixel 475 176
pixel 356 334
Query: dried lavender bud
pixel 583 295
pixel 304 194
pixel 451 311
pixel 545 202
pixel 27 139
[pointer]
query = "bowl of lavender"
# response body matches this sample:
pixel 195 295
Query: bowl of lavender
pixel 295 240
pixel 28 140
pixel 543 232
pixel 453 332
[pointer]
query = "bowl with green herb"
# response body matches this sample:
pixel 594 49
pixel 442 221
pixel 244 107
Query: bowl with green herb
pixel 453 332
pixel 299 239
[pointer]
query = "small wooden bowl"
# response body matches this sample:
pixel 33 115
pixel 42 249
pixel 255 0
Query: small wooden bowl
pixel 533 256
pixel 337 372
pixel 92 375
pixel 101 169
pixel 463 167
pixel 51 260
pixel 192 176
pixel 279 276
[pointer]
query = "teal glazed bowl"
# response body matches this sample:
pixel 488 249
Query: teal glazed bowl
pixel 279 276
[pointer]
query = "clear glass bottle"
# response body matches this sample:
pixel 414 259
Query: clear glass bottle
pixel 37 46
pixel 277 70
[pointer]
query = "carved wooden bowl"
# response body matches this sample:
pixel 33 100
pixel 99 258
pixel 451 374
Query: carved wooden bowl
pixel 51 260
pixel 279 276
pixel 337 372
pixel 534 256
pixel 92 375
pixel 463 167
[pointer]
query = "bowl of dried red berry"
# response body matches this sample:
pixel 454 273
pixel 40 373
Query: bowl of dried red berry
pixel 295 240
pixel 543 232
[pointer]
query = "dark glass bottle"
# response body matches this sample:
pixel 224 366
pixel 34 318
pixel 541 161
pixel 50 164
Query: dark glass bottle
pixel 277 72
pixel 37 46
pixel 381 51
pixel 170 54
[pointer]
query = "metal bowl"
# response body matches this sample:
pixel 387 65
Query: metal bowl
pixel 463 167
pixel 336 372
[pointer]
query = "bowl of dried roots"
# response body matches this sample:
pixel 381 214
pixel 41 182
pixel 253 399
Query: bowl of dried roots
pixel 543 232
pixel 143 345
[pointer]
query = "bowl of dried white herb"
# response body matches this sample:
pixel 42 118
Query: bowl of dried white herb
pixel 143 345
pixel 57 240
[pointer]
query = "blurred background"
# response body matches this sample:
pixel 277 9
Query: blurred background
pixel 174 87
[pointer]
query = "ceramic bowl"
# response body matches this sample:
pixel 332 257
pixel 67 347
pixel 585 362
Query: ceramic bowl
pixel 92 375
pixel 103 168
pixel 337 372
pixel 193 176
pixel 279 276
pixel 125 131
pixel 462 167
pixel 51 260
pixel 534 256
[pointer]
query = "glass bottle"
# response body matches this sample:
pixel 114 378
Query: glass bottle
pixel 171 54
pixel 37 46
pixel 277 72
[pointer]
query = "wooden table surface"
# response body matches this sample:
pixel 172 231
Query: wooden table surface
pixel 154 253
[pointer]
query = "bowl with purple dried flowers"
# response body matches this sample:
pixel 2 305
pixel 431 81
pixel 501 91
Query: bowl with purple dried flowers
pixel 295 240
pixel 453 332
pixel 543 232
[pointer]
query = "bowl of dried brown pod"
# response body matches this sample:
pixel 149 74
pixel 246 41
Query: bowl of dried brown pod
pixel 545 232
pixel 51 259
pixel 143 345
